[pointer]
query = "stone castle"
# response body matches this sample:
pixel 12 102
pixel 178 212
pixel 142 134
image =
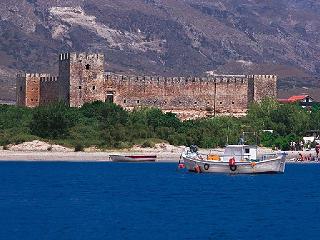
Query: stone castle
pixel 82 79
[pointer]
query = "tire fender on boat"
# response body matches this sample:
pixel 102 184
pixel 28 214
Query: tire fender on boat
pixel 206 166
pixel 233 167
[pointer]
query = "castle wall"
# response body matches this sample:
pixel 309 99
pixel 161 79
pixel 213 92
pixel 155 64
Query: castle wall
pixel 207 96
pixel 49 90
pixel 84 75
pixel 82 79
pixel 231 94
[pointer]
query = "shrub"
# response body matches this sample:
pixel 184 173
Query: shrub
pixel 122 145
pixel 148 144
pixel 79 148
pixel 52 121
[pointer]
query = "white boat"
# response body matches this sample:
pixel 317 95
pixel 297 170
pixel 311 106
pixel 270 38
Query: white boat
pixel 133 158
pixel 237 159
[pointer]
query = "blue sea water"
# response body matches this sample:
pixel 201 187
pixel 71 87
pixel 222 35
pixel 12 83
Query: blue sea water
pixel 155 201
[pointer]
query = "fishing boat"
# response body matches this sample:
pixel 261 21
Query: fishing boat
pixel 236 159
pixel 133 158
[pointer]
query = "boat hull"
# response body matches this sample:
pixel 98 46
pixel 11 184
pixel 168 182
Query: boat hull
pixel 276 165
pixel 121 158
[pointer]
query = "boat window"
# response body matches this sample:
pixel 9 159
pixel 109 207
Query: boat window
pixel 247 150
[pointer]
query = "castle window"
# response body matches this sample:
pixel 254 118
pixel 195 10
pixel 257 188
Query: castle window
pixel 220 102
pixel 94 88
pixel 88 66
pixel 125 101
pixel 79 87
pixel 195 102
pixel 20 89
pixel 232 102
pixel 138 101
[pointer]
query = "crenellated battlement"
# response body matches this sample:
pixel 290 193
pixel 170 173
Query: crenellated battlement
pixel 263 76
pixel 80 56
pixel 237 79
pixel 48 79
pixel 33 75
pixel 64 56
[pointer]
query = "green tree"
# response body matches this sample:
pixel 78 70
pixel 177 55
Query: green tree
pixel 52 121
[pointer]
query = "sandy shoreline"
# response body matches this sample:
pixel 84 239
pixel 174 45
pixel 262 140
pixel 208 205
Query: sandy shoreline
pixel 38 151
pixel 164 156
pixel 75 156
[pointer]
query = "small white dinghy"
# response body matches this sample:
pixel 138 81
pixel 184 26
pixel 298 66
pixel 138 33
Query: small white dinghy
pixel 237 159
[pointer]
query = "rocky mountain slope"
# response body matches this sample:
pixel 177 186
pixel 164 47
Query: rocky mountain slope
pixel 165 37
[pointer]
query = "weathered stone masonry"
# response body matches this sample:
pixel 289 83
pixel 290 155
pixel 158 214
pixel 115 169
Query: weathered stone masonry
pixel 82 79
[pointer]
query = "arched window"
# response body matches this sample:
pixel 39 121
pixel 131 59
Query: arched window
pixel 88 66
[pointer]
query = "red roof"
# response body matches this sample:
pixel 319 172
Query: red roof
pixel 293 99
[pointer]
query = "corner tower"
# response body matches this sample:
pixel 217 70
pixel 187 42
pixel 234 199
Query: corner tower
pixel 265 86
pixel 81 78
pixel 28 89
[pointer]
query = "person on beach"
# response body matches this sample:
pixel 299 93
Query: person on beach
pixel 301 145
pixel 317 150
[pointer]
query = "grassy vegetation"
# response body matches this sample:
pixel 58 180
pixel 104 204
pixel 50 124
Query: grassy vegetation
pixel 106 125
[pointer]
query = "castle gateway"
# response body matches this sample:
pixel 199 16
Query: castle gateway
pixel 82 79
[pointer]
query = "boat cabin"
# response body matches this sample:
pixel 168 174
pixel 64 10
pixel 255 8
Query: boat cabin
pixel 240 153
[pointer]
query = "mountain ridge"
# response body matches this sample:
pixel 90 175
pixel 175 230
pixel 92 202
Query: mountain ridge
pixel 173 37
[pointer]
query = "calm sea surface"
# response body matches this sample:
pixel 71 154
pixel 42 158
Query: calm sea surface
pixel 155 201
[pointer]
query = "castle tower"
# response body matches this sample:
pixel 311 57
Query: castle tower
pixel 81 78
pixel 264 86
pixel 28 89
